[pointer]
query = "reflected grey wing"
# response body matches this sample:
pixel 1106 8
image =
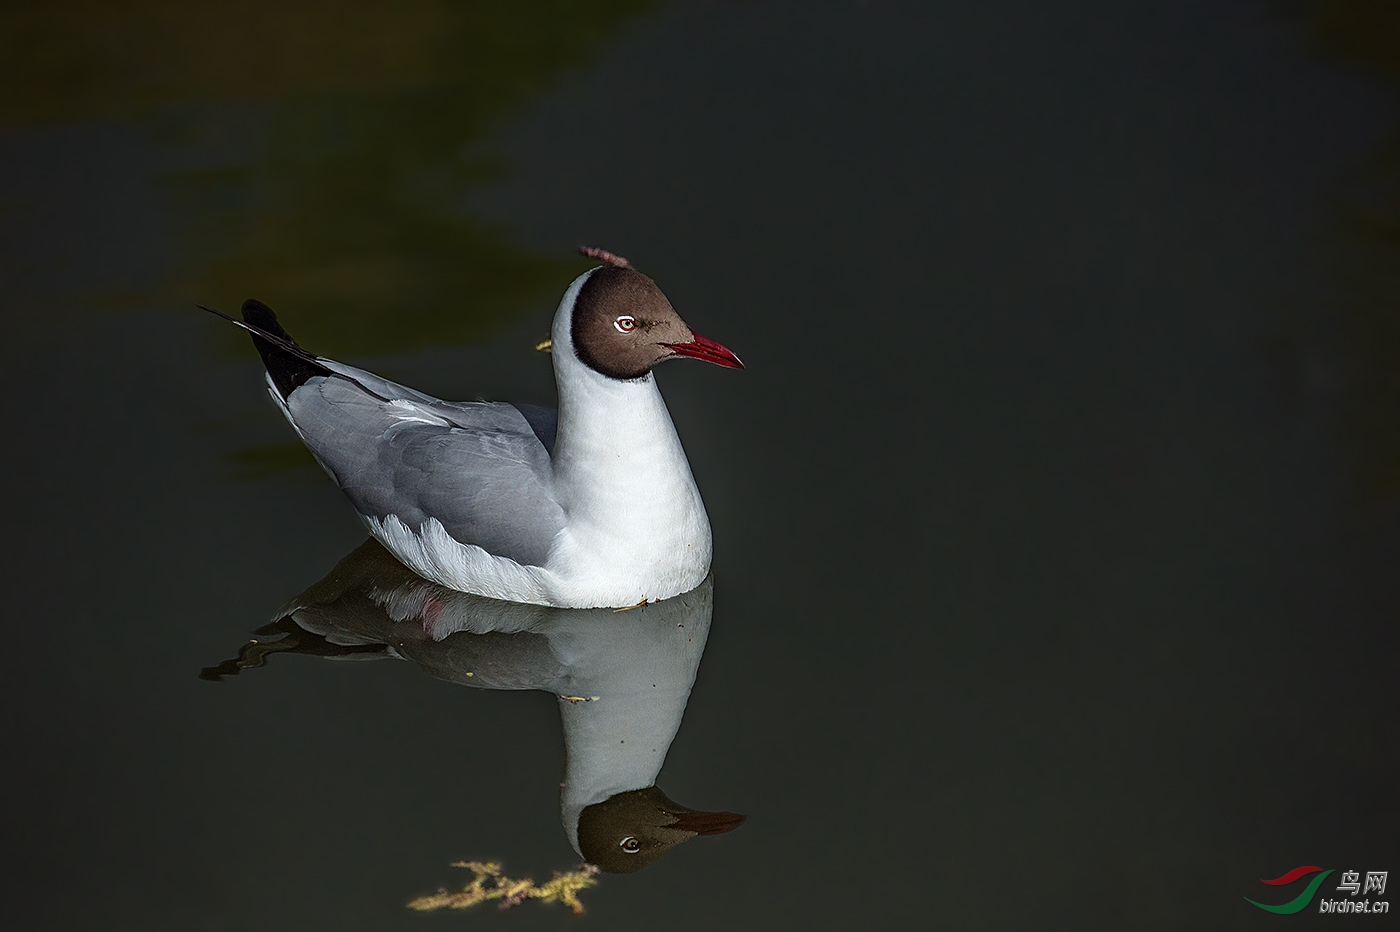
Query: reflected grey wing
pixel 488 661
pixel 370 598
pixel 479 468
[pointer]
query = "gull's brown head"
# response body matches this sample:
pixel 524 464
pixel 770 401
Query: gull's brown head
pixel 622 326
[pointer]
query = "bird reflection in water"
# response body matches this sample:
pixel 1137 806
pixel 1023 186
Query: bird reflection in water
pixel 622 679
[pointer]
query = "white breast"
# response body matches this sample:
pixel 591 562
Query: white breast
pixel 636 527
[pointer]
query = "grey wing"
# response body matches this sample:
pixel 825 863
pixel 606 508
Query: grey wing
pixel 481 469
pixel 543 421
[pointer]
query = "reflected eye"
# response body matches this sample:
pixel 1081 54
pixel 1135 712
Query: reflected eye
pixel 630 844
pixel 625 324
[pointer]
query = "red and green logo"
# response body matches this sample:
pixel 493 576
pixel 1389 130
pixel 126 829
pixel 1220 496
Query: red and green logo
pixel 1299 902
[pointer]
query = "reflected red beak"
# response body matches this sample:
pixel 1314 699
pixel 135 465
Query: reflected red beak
pixel 707 823
pixel 708 350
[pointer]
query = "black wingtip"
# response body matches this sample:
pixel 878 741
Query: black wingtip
pixel 261 316
pixel 288 364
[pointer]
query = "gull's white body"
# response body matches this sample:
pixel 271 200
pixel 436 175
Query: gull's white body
pixel 610 516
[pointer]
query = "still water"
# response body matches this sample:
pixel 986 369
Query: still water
pixel 1055 514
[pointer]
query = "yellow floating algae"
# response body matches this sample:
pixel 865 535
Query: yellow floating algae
pixel 488 883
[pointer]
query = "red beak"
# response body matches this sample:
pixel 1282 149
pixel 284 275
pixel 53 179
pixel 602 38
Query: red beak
pixel 705 348
pixel 707 823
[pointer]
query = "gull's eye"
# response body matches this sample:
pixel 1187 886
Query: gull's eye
pixel 630 844
pixel 625 324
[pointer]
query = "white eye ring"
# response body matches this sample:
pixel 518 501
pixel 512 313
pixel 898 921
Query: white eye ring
pixel 630 844
pixel 625 324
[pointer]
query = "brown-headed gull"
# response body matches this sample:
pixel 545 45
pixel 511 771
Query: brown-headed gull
pixel 592 506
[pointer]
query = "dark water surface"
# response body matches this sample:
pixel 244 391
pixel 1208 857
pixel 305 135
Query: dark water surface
pixel 1055 515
